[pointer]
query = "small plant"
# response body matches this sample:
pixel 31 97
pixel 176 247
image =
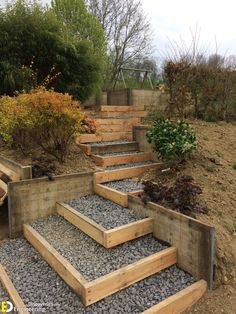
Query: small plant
pixel 234 165
pixel 43 118
pixel 172 140
pixel 182 196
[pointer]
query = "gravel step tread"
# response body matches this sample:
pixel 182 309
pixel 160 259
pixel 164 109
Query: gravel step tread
pixel 91 259
pixel 104 212
pixel 126 185
pixel 129 165
pixel 38 283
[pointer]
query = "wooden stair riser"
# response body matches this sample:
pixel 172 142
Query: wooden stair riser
pixel 106 161
pixel 107 238
pixel 126 276
pixel 125 173
pixel 181 301
pixel 111 148
pixel 114 114
pixel 104 286
pixel 110 121
pixel 88 138
pixel 122 108
pixel 116 128
pixel 113 195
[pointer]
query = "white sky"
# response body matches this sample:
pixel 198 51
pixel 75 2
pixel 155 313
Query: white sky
pixel 175 18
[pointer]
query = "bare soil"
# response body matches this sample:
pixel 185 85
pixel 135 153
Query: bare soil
pixel 45 164
pixel 211 166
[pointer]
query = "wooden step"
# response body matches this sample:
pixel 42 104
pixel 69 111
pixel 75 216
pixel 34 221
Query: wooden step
pixel 12 292
pixel 116 128
pixel 110 121
pixel 105 161
pixel 98 289
pixel 180 301
pixel 114 114
pixel 87 138
pixel 121 108
pixel 125 173
pixel 107 238
pixel 112 148
pixel 120 198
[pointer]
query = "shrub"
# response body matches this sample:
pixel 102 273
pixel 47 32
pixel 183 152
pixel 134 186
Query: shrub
pixel 154 116
pixel 47 119
pixel 234 165
pixel 172 140
pixel 182 196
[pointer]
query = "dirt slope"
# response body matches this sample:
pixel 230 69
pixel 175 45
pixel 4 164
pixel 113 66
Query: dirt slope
pixel 211 167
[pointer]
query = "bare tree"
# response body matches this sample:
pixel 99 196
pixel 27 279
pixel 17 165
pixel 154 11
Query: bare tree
pixel 127 29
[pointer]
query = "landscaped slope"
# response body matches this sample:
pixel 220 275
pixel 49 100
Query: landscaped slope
pixel 212 168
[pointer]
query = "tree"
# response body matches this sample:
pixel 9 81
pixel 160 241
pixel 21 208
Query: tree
pixel 34 44
pixel 83 24
pixel 127 29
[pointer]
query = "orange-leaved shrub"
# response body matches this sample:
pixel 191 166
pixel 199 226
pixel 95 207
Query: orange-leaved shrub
pixel 43 118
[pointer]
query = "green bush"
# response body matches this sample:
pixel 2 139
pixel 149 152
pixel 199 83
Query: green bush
pixel 172 140
pixel 34 43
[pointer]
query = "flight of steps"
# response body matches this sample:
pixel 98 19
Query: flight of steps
pixel 113 145
pixel 115 268
pixel 114 122
pixel 62 239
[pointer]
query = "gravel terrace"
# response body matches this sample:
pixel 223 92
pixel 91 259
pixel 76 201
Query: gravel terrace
pixel 104 212
pixel 38 283
pixel 128 165
pixel 86 255
pixel 101 143
pixel 126 185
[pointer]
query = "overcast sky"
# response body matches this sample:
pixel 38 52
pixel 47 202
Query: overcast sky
pixel 172 19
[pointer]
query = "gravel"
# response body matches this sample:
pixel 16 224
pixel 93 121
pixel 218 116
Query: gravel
pixel 101 143
pixel 86 255
pixel 104 212
pixel 120 153
pixel 4 296
pixel 127 185
pixel 38 283
pixel 129 165
pixel 144 294
pixel 35 281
